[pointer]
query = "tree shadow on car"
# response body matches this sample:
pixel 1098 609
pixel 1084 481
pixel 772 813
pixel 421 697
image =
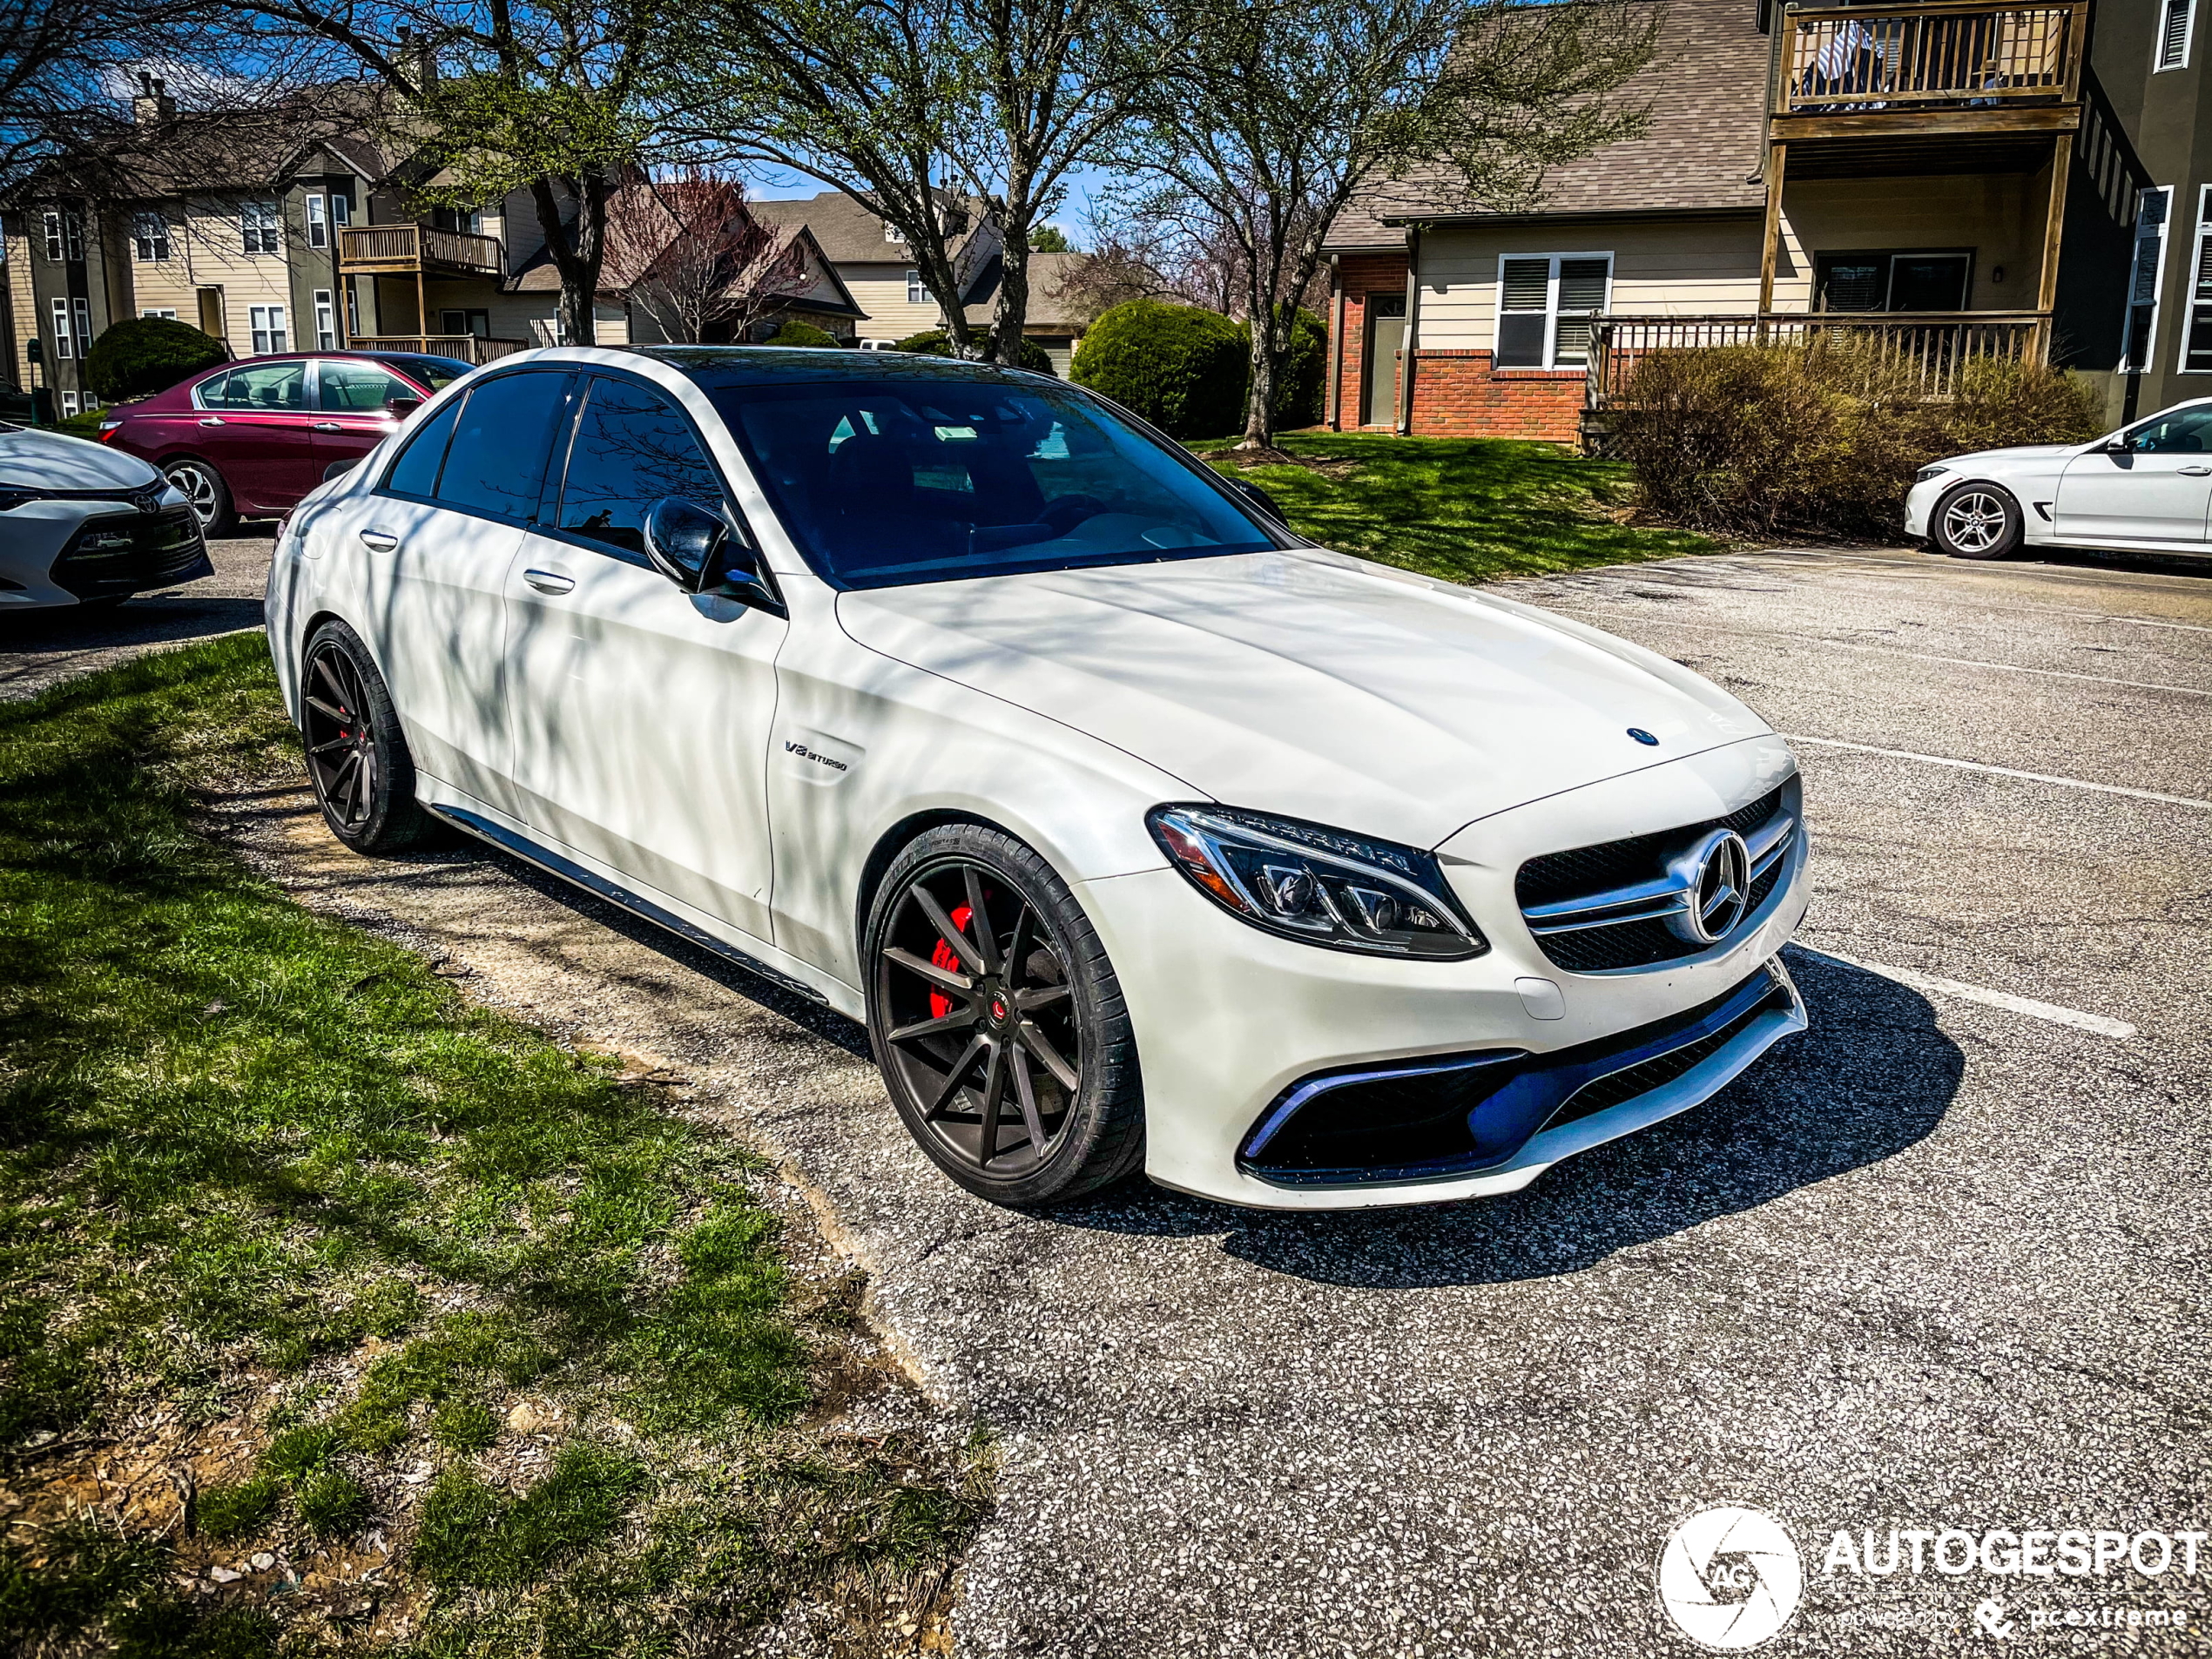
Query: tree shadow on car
pixel 1872 1076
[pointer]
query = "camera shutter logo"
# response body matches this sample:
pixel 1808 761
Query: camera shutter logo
pixel 1729 1578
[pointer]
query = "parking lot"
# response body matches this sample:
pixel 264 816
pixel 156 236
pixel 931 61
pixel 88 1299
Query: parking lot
pixel 1939 1263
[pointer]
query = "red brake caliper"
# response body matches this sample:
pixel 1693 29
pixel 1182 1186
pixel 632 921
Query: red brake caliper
pixel 948 959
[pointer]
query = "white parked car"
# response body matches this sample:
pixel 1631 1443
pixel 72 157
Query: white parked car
pixel 1141 832
pixel 81 524
pixel 2145 488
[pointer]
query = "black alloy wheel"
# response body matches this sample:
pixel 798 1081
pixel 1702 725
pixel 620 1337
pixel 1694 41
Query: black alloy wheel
pixel 997 1024
pixel 357 755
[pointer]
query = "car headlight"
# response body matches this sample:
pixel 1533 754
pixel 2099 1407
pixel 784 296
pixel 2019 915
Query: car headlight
pixel 1326 886
pixel 1927 473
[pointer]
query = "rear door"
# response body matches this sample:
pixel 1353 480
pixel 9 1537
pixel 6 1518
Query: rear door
pixel 439 537
pixel 2156 492
pixel 641 713
pixel 258 429
pixel 351 419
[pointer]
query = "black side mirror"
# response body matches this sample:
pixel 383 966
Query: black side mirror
pixel 1259 498
pixel 400 408
pixel 337 469
pixel 694 548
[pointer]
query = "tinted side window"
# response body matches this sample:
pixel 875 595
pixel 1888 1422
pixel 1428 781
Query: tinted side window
pixel 358 388
pixel 632 447
pixel 415 473
pixel 265 388
pixel 2183 432
pixel 496 462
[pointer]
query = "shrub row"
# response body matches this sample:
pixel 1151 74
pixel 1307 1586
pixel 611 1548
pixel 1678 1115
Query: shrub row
pixel 1762 439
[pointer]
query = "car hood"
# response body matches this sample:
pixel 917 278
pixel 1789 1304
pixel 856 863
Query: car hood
pixel 55 461
pixel 2017 452
pixel 1311 684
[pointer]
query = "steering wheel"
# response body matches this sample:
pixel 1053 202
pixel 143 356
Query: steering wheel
pixel 1065 512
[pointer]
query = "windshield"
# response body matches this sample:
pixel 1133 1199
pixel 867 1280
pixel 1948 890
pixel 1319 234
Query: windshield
pixel 436 373
pixel 887 483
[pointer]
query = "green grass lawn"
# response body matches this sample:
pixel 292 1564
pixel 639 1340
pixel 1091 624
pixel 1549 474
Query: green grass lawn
pixel 1466 509
pixel 433 1337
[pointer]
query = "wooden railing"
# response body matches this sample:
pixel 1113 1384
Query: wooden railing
pixel 471 348
pixel 1935 346
pixel 366 249
pixel 1844 60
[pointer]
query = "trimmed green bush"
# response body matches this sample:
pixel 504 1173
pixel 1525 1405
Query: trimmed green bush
pixel 935 342
pixel 1298 380
pixel 1765 439
pixel 1182 367
pixel 795 332
pixel 142 355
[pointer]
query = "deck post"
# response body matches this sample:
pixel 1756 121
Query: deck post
pixel 2047 282
pixel 1778 162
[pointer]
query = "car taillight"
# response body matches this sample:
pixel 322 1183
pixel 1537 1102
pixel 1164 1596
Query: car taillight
pixel 108 429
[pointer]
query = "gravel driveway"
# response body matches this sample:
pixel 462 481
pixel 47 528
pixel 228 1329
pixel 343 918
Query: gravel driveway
pixel 1939 1264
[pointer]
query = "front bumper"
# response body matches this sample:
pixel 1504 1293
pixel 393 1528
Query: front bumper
pixel 1230 1021
pixel 64 552
pixel 1919 503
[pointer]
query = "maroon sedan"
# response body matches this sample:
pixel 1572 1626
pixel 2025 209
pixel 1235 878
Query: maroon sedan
pixel 249 439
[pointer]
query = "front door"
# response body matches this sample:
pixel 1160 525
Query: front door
pixel 641 713
pixel 2156 491
pixel 1385 335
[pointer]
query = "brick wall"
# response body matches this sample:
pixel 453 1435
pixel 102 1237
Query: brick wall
pixel 1456 393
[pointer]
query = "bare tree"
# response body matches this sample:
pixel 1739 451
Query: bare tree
pixel 690 253
pixel 1265 117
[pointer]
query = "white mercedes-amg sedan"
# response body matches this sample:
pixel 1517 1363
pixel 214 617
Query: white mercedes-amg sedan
pixel 1143 832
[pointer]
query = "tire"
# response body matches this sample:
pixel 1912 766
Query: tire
pixel 356 752
pixel 979 1042
pixel 209 496
pixel 1976 522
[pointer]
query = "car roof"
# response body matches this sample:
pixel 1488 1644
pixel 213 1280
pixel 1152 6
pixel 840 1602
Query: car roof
pixel 797 365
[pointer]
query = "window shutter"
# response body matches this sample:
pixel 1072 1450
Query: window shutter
pixel 2173 34
pixel 1581 290
pixel 1527 284
pixel 1524 307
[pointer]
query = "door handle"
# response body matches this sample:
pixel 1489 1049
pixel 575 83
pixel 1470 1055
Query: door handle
pixel 212 419
pixel 549 581
pixel 2195 472
pixel 379 541
pixel 329 426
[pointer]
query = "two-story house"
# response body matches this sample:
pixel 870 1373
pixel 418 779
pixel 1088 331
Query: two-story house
pixel 876 267
pixel 1944 179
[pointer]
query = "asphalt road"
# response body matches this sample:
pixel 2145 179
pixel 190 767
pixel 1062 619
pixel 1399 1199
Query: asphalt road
pixel 1939 1263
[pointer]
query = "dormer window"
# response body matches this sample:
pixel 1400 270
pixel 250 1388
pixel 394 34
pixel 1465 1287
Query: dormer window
pixel 891 232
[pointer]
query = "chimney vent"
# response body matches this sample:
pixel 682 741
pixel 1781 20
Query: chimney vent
pixel 153 106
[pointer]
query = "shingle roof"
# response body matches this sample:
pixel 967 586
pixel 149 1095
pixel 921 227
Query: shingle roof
pixel 848 232
pixel 1049 308
pixel 1706 87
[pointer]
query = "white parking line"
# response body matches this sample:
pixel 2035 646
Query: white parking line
pixel 1998 604
pixel 2118 1031
pixel 2001 772
pixel 1664 620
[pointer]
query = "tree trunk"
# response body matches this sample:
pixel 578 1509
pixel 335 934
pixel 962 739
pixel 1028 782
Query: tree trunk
pixel 577 248
pixel 1011 316
pixel 1260 406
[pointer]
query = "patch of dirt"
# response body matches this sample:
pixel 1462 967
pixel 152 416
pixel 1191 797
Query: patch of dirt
pixel 1245 460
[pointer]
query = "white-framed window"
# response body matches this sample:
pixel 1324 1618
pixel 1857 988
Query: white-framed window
pixel 2197 340
pixel 69 403
pixel 63 345
pixel 891 232
pixel 916 294
pixel 341 209
pixel 257 226
pixel 52 224
pixel 1544 306
pixel 2176 18
pixel 318 221
pixel 353 313
pixel 326 321
pixel 266 323
pixel 150 236
pixel 83 310
pixel 169 311
pixel 2146 276
pixel 73 234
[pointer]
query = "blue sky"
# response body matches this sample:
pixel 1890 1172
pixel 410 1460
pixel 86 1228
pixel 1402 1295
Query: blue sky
pixel 775 184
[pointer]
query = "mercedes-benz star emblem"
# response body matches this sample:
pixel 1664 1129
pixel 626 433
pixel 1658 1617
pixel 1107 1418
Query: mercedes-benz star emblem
pixel 1717 873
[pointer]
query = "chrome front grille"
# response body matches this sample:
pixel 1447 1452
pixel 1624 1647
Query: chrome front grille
pixel 1633 903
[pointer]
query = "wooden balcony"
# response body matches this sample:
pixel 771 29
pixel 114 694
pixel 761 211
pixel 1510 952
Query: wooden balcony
pixel 1933 347
pixel 416 250
pixel 1948 85
pixel 470 348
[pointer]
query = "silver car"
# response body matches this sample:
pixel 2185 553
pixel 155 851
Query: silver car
pixel 81 524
